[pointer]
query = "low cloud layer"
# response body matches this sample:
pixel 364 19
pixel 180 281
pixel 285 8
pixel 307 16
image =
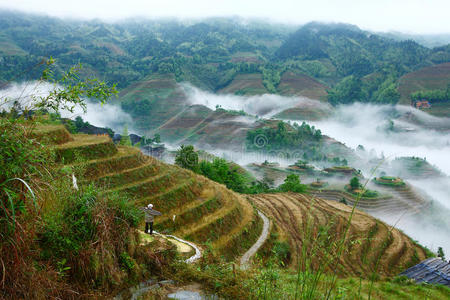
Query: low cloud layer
pixel 401 15
pixel 266 105
pixel 99 115
pixel 364 124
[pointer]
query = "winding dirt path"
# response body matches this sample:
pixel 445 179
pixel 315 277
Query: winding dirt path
pixel 262 238
pixel 193 258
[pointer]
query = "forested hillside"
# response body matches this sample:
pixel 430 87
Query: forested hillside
pixel 220 54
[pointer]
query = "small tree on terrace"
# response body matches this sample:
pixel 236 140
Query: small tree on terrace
pixel 157 138
pixel 441 253
pixel 187 158
pixel 125 137
pixel 292 184
pixel 354 183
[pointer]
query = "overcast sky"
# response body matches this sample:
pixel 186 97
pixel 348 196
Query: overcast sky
pixel 412 16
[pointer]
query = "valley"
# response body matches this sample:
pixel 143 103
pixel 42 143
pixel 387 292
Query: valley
pixel 284 161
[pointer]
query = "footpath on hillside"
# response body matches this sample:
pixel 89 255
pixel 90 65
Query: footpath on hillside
pixel 244 263
pixel 183 246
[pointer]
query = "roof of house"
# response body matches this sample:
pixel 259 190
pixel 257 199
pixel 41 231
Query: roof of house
pixel 432 270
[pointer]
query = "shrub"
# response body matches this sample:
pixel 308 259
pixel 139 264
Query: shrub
pixel 187 158
pixel 126 261
pixel 292 184
pixel 64 233
pixel 354 183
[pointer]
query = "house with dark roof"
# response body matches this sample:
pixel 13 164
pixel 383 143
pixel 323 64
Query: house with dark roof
pixel 432 270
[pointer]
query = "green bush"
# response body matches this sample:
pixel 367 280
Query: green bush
pixel 65 232
pixel 126 261
pixel 292 184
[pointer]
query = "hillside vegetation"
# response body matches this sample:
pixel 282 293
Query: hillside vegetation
pixel 336 62
pixel 222 222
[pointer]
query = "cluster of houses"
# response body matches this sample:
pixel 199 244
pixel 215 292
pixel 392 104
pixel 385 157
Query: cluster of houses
pixel 420 104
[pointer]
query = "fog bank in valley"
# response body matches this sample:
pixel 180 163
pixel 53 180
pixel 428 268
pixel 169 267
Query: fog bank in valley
pixel 266 105
pixel 26 93
pixel 367 125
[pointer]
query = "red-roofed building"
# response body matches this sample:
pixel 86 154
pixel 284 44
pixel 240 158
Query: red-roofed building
pixel 421 104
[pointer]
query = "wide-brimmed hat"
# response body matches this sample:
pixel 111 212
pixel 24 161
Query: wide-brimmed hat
pixel 150 205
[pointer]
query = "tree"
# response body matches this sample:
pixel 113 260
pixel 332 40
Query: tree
pixel 347 91
pixel 125 137
pixel 354 183
pixel 292 184
pixel 441 253
pixel 157 138
pixel 187 158
pixel 79 123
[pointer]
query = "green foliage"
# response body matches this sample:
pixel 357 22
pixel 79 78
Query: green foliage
pixel 347 91
pixel 281 251
pixel 64 233
pixel 292 184
pixel 157 138
pixel 258 187
pixel 354 183
pixel 441 253
pixel 187 158
pixel 223 172
pixel 147 141
pixel 125 137
pixel 209 54
pixel 387 93
pixel 21 156
pixel 219 170
pixel 67 231
pixel 126 261
pixel 283 137
pixel 433 96
pixel 74 90
pixel 271 78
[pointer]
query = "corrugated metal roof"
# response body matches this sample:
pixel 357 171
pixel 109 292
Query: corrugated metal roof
pixel 432 270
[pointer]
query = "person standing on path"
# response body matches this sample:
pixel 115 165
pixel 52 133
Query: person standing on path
pixel 150 214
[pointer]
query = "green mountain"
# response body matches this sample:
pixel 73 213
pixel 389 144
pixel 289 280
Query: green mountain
pixel 338 63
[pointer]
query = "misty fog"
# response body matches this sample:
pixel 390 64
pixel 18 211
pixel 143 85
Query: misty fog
pixel 265 105
pixel 106 115
pixel 362 124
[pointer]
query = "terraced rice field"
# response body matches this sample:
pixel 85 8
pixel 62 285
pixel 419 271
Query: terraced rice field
pixel 204 212
pixel 402 200
pixel 193 207
pixel 315 230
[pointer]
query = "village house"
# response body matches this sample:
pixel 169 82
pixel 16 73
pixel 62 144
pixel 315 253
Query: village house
pixel 420 104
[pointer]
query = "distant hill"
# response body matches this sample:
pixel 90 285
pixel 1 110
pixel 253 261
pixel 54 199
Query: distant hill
pixel 428 78
pixel 427 40
pixel 336 62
